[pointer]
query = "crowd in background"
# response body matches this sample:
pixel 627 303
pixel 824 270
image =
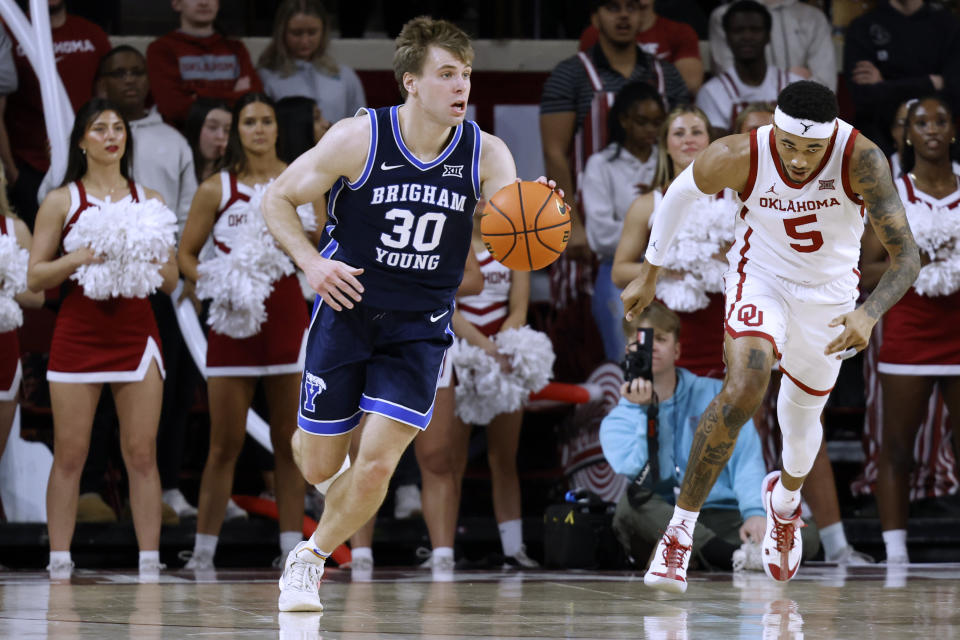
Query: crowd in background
pixel 208 126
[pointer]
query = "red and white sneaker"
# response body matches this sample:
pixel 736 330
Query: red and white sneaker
pixel 782 546
pixel 668 567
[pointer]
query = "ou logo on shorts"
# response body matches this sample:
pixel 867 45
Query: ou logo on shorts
pixel 750 315
pixel 312 387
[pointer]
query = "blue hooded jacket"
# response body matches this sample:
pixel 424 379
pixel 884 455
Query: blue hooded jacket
pixel 624 441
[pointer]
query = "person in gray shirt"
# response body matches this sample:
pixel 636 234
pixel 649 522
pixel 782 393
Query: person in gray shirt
pixel 296 63
pixel 8 84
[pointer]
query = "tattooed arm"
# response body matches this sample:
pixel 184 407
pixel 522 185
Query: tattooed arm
pixel 870 177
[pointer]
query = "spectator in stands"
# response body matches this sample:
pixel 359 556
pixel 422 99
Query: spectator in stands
pixel 8 84
pixel 578 94
pixel 98 341
pixel 732 521
pixel 674 42
pixel 207 130
pixel 10 369
pixel 163 161
pixel 919 349
pixel 296 62
pixel 900 50
pixel 195 61
pixel 801 41
pixel 612 180
pixel 501 305
pixel 750 78
pixel 303 126
pixel 685 133
pixel 272 354
pixel 78 46
pixel 754 116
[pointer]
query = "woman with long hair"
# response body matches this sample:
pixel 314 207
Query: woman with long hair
pixel 18 239
pixel 699 303
pixel 97 341
pixel 303 126
pixel 296 62
pixel 226 209
pixel 612 180
pixel 919 350
pixel 207 129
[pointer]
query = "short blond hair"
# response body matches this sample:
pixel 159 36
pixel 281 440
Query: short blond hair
pixel 417 36
pixel 657 316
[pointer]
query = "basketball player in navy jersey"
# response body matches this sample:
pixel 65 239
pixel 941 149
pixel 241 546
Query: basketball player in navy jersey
pixel 791 289
pixel 404 182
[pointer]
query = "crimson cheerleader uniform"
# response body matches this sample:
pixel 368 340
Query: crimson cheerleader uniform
pixel 278 348
pixel 111 340
pixel 10 369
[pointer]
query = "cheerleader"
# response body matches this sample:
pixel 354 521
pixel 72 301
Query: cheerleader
pixel 920 352
pixel 697 297
pixel 96 341
pixel 239 353
pixel 15 240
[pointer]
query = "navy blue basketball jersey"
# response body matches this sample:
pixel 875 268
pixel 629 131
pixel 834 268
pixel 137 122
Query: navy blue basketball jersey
pixel 406 223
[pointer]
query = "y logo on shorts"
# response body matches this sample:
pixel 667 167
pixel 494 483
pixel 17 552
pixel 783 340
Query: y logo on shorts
pixel 312 387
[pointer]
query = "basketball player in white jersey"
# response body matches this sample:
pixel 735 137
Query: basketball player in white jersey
pixel 804 182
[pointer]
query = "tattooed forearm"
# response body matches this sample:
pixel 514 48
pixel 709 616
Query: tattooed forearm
pixel 717 455
pixel 872 176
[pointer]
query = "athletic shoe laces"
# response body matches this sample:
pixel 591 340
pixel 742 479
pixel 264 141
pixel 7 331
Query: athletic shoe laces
pixel 304 576
pixel 674 552
pixel 783 535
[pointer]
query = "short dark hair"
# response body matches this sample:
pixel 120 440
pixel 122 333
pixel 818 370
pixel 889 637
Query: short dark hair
pixel 596 4
pixel 808 100
pixel 629 95
pixel 123 48
pixel 748 6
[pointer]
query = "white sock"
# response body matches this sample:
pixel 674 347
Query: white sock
pixel 443 552
pixel 683 517
pixel 60 557
pixel 150 556
pixel 288 540
pixel 361 552
pixel 895 541
pixel 784 501
pixel 834 540
pixel 205 544
pixel 511 536
pixel 309 552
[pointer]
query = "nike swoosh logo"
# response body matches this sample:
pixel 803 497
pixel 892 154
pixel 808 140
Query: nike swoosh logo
pixel 434 318
pixel 386 167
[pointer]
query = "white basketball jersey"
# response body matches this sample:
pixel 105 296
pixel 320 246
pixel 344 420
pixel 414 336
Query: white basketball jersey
pixel 808 232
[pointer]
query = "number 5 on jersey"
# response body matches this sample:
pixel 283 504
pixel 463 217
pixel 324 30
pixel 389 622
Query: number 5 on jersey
pixel 812 239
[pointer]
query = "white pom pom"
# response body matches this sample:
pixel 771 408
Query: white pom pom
pixel 308 218
pixel 133 238
pixel 531 354
pixel 13 266
pixel 11 316
pixel 937 232
pixel 239 282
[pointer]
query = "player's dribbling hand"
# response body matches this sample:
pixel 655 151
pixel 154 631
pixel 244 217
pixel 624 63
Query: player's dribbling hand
pixel 639 293
pixel 857 326
pixel 335 281
pixel 548 183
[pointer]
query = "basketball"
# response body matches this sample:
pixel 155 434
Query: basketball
pixel 525 226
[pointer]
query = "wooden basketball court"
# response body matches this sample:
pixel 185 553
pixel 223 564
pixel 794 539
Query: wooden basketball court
pixel 922 601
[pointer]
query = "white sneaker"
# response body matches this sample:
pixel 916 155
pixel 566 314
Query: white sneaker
pixel 299 584
pixel 234 512
pixel 850 557
pixel 747 557
pixel 442 569
pixel 174 499
pixel 520 560
pixel 150 571
pixel 60 570
pixel 406 502
pixel 361 569
pixel 782 545
pixel 668 566
pixel 299 625
pixel 426 556
pixel 197 561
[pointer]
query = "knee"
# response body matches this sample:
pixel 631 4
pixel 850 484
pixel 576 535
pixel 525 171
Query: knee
pixel 371 476
pixel 438 462
pixel 140 458
pixel 502 463
pixel 898 458
pixel 743 394
pixel 224 452
pixel 69 461
pixel 315 472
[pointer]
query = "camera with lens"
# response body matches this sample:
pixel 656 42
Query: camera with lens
pixel 638 361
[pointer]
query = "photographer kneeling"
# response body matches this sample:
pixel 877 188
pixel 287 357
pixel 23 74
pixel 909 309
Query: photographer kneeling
pixel 661 417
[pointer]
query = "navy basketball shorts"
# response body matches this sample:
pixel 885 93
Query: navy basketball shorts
pixel 368 360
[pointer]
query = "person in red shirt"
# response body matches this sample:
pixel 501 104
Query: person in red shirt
pixel 675 42
pixel 78 45
pixel 196 61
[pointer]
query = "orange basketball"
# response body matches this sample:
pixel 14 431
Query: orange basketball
pixel 525 226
